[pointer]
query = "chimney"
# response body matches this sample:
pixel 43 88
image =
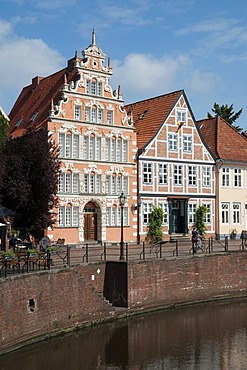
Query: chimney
pixel 35 81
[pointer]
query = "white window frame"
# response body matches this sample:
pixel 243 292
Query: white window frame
pixel 192 207
pixel 192 175
pixel 92 147
pixel 236 213
pixel 225 213
pixel 94 87
pixel 177 175
pixel 181 115
pixel 110 117
pixel 209 213
pixel 68 145
pixel 172 142
pixel 113 216
pixel 237 177
pixel 147 208
pixel 164 207
pixel 225 177
pixel 147 173
pixel 92 183
pixel 116 184
pixel 206 176
pixel 163 173
pixel 68 216
pixel 187 143
pixel 116 150
pixel 77 112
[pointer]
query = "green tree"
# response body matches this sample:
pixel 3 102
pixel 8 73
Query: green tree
pixel 156 219
pixel 227 113
pixel 200 219
pixel 4 128
pixel 31 179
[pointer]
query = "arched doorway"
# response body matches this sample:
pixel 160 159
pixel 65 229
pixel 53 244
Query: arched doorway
pixel 90 221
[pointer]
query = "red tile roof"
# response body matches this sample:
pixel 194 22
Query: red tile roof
pixel 224 141
pixel 149 114
pixel 36 98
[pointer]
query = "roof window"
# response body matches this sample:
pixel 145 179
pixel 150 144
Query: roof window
pixel 34 116
pixel 18 122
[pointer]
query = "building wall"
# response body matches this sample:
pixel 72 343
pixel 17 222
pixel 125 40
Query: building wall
pixel 39 304
pixel 158 153
pixel 232 200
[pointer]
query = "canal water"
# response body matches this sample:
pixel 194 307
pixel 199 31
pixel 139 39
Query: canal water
pixel 204 337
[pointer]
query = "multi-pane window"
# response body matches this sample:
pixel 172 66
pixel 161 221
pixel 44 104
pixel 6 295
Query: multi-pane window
pixel 177 174
pixel 163 174
pixel 192 175
pixel 92 183
pixel 181 116
pixel 68 183
pixel 173 141
pixel 92 147
pixel 236 213
pixel 225 213
pixel 77 112
pixel 208 214
pixel 192 213
pixel 237 177
pixel 110 117
pixel 116 184
pixel 187 143
pixel 93 114
pixel 225 177
pixel 147 209
pixel 68 145
pixel 68 216
pixel 206 176
pixel 113 216
pixel 147 173
pixel 94 87
pixel 164 207
pixel 116 150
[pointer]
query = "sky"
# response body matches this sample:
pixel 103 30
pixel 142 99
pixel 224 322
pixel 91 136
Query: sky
pixel 155 46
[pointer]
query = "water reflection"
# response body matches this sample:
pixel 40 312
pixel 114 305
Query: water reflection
pixel 203 337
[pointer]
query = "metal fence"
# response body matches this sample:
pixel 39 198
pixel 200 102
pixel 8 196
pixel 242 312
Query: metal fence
pixel 70 255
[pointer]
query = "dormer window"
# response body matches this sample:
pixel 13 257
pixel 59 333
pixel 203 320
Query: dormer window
pixel 34 116
pixel 18 122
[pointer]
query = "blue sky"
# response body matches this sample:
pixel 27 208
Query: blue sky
pixel 156 46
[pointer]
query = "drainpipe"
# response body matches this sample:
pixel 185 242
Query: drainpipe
pixel 139 152
pixel 219 164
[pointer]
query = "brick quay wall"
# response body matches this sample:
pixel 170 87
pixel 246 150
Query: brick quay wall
pixel 37 305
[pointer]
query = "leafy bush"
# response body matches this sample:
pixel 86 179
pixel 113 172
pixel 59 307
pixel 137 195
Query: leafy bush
pixel 155 233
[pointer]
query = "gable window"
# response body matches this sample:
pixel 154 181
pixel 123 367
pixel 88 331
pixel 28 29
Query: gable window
pixel 236 217
pixel 237 178
pixel 192 175
pixel 206 176
pixel 173 142
pixel 181 115
pixel 163 174
pixel 77 112
pixel 93 114
pixel 147 173
pixel 177 174
pixel 187 143
pixel 225 216
pixel 225 177
pixel 94 87
pixel 68 145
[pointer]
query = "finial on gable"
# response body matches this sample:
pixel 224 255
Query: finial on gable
pixel 93 38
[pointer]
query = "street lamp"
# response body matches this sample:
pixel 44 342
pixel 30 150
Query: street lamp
pixel 122 199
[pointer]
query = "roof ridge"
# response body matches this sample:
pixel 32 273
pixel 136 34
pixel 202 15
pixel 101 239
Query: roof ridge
pixel 155 97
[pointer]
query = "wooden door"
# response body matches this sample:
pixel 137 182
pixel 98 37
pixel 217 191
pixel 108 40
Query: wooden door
pixel 90 226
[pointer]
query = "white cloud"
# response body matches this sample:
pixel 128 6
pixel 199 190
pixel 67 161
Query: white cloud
pixel 21 60
pixel 142 76
pixel 54 4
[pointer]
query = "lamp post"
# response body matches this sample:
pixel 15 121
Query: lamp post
pixel 122 199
